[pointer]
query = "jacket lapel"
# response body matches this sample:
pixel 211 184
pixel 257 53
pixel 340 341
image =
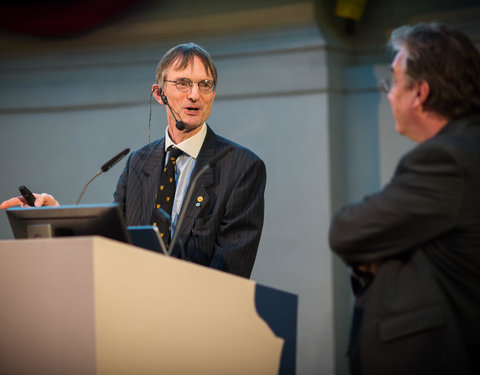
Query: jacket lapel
pixel 200 195
pixel 149 177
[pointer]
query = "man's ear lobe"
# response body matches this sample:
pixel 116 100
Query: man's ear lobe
pixel 157 93
pixel 423 90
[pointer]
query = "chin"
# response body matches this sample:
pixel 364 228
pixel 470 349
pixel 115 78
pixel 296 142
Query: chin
pixel 400 130
pixel 191 127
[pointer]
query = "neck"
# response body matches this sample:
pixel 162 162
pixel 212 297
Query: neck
pixel 432 124
pixel 178 136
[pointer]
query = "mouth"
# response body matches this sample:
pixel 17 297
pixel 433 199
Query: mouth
pixel 192 110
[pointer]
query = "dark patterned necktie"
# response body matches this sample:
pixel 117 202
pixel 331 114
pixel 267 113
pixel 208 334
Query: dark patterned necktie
pixel 166 193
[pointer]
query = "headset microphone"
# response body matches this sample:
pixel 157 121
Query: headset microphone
pixel 179 124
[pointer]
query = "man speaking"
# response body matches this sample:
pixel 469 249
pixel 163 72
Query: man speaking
pixel 224 219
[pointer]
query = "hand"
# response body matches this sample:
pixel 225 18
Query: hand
pixel 43 199
pixel 369 267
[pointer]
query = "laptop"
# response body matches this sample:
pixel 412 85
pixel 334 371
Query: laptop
pixel 147 237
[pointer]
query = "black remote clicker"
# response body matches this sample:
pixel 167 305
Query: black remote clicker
pixel 27 194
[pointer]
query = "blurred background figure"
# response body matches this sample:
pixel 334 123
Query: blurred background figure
pixel 414 247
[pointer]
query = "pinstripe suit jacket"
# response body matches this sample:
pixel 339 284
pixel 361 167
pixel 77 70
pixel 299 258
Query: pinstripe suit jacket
pixel 222 232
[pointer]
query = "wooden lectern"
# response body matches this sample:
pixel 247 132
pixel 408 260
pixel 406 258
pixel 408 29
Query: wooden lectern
pixel 91 305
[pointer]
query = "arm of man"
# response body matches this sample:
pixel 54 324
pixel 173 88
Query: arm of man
pixel 240 228
pixel 420 203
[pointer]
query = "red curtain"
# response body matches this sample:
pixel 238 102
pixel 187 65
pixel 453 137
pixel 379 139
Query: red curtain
pixel 59 18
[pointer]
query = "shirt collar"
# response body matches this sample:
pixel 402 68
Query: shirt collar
pixel 190 146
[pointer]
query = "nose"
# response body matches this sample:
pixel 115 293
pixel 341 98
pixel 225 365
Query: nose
pixel 389 96
pixel 194 93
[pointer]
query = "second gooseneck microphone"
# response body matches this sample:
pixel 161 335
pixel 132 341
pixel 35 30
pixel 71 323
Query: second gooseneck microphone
pixel 191 188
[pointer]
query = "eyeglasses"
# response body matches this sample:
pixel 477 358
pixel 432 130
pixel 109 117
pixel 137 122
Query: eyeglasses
pixel 385 85
pixel 184 85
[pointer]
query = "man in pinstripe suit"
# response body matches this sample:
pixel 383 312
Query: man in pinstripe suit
pixel 224 219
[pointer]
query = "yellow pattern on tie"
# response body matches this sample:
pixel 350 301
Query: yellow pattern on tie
pixel 166 195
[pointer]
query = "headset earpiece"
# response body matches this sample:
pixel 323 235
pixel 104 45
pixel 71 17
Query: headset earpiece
pixel 160 93
pixel 162 96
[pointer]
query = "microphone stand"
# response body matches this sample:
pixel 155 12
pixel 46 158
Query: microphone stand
pixel 85 187
pixel 162 215
pixel 187 199
pixel 105 167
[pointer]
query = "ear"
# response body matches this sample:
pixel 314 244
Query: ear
pixel 422 91
pixel 157 93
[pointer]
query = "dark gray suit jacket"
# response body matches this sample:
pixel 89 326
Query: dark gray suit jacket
pixel 223 232
pixel 421 312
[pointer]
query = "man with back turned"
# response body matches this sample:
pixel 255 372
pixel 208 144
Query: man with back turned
pixel 414 247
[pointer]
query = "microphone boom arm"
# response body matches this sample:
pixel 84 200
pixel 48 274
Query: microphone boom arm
pixel 184 207
pixel 85 187
pixel 105 167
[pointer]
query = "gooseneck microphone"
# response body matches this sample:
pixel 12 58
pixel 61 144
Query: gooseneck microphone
pixel 105 167
pixel 163 216
pixel 109 164
pixel 188 197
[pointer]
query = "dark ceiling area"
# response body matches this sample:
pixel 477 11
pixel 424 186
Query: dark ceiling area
pixel 60 18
